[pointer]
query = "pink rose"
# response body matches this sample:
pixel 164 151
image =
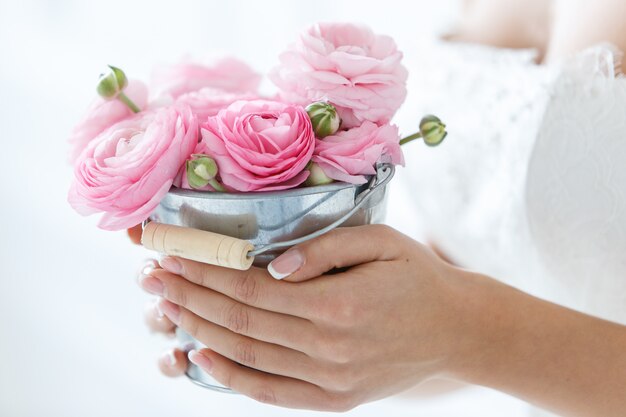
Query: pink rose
pixel 259 145
pixel 103 113
pixel 209 101
pixel 128 168
pixel 349 155
pixel 230 75
pixel 357 71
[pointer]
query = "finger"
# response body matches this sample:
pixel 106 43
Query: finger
pixel 156 320
pixel 339 248
pixel 244 350
pixel 173 363
pixel 134 233
pixel 289 331
pixel 266 388
pixel 254 287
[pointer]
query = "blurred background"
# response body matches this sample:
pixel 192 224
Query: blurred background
pixel 72 339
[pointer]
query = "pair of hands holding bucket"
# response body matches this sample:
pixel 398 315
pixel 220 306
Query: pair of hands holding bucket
pixel 392 318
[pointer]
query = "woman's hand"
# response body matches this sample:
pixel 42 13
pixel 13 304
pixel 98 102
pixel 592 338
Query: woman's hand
pixel 391 317
pixel 366 312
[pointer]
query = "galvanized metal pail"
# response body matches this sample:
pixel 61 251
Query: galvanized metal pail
pixel 272 221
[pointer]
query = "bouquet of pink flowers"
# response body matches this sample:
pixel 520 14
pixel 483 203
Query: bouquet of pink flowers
pixel 207 128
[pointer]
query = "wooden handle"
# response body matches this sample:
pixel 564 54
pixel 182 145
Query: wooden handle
pixel 198 245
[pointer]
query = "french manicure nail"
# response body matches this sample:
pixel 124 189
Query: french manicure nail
pixel 201 360
pixel 153 285
pixel 286 264
pixel 171 310
pixel 170 357
pixel 172 265
pixel 146 269
pixel 158 310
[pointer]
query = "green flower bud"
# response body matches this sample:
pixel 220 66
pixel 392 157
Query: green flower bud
pixel 324 118
pixel 316 176
pixel 201 170
pixel 111 84
pixel 433 130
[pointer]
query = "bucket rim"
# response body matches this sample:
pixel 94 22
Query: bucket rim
pixel 255 195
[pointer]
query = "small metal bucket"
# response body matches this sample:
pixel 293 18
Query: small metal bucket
pixel 273 221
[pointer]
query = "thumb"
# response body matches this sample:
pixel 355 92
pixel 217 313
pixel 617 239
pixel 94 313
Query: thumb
pixel 339 248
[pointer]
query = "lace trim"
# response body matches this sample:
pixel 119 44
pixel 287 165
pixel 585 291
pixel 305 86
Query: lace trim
pixel 603 59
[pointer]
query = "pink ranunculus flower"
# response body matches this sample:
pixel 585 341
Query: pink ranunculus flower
pixel 104 113
pixel 259 145
pixel 356 70
pixel 128 168
pixel 208 101
pixel 350 155
pixel 229 75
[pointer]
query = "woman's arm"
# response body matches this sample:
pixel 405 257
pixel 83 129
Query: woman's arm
pixel 395 316
pixel 579 24
pixel 556 358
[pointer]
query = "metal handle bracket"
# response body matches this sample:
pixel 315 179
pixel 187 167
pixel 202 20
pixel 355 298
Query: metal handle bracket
pixel 384 174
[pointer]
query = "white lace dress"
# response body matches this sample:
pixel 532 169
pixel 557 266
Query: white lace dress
pixel 530 185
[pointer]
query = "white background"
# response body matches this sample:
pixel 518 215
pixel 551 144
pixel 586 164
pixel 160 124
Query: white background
pixel 72 341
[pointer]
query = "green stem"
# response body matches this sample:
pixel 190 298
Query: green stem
pixel 124 99
pixel 216 185
pixel 410 138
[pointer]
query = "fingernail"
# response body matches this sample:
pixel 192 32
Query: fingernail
pixel 201 360
pixel 172 265
pixel 286 264
pixel 171 310
pixel 153 285
pixel 146 269
pixel 158 310
pixel 170 357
